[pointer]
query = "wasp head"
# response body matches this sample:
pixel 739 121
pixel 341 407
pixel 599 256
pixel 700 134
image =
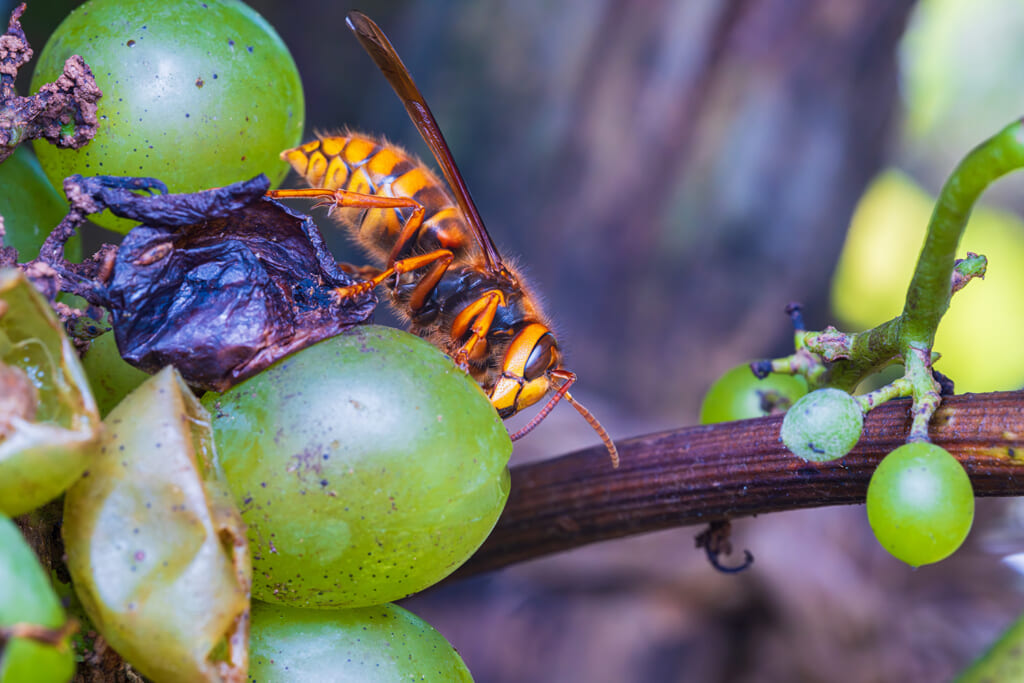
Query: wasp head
pixel 532 367
pixel 525 372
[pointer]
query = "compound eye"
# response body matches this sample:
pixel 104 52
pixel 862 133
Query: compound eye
pixel 542 357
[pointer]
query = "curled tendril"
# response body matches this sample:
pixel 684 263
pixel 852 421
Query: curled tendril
pixel 715 541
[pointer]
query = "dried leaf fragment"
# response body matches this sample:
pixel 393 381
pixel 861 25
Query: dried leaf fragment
pixel 62 112
pixel 219 283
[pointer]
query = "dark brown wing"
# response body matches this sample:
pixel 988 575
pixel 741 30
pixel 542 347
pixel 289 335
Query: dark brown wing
pixel 383 54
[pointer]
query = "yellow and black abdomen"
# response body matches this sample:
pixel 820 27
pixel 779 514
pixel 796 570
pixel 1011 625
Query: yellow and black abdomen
pixel 357 163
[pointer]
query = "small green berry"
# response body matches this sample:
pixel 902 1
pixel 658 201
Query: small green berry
pixel 920 503
pixel 823 425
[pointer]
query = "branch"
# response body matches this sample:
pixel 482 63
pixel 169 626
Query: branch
pixel 703 474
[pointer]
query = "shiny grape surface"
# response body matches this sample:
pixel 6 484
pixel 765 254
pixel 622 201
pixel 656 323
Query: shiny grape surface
pixel 920 503
pixel 739 395
pixel 155 549
pixel 367 467
pixel 196 94
pixel 377 644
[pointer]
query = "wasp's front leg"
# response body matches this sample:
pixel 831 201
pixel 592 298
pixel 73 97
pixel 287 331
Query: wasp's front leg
pixel 476 318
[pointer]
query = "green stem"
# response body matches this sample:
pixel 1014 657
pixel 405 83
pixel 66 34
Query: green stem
pixel 925 390
pixel 895 389
pixel 929 293
pixel 852 357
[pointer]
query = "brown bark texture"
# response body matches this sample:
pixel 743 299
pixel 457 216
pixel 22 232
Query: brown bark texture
pixel 721 472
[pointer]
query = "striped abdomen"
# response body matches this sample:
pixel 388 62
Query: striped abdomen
pixel 357 163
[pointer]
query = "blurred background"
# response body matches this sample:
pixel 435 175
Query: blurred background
pixel 671 174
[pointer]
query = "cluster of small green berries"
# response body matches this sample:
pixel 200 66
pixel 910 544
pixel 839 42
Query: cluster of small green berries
pixel 920 502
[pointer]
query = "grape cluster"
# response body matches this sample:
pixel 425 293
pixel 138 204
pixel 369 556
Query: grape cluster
pixel 920 502
pixel 350 474
pixel 366 467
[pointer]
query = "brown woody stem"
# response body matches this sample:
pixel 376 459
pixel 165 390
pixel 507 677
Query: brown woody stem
pixel 698 475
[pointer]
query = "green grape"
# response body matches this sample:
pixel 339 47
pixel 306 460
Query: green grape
pixel 110 376
pixel 920 503
pixel 381 644
pixel 739 395
pixel 31 208
pixel 367 467
pixel 197 94
pixel 823 425
pixel 154 544
pixel 48 418
pixel 26 597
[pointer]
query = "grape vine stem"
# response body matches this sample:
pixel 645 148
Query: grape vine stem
pixel 698 475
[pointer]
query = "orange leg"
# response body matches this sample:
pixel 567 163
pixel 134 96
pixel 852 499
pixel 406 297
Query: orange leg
pixel 440 258
pixel 475 318
pixel 361 272
pixel 343 199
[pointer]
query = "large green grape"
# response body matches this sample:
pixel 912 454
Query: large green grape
pixel 739 395
pixel 367 467
pixel 920 503
pixel 26 597
pixel 823 425
pixel 197 94
pixel 154 544
pixel 382 644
